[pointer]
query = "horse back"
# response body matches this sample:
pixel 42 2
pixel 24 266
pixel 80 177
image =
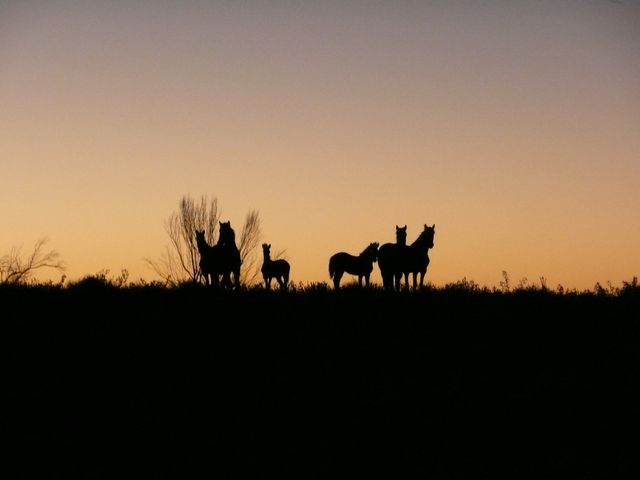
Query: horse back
pixel 388 255
pixel 416 260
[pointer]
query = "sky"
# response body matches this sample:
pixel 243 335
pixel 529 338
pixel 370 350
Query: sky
pixel 513 126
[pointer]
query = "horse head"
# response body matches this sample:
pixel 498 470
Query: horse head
pixel 266 250
pixel 373 249
pixel 227 235
pixel 371 252
pixel 201 241
pixel 427 234
pixel 401 235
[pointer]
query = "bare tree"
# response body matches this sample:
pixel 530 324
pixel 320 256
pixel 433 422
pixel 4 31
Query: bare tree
pixel 180 260
pixel 249 239
pixel 15 269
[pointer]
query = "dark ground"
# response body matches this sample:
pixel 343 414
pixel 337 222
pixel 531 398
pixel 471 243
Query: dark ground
pixel 155 383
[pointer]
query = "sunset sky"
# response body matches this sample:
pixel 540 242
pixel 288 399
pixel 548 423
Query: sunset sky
pixel 514 126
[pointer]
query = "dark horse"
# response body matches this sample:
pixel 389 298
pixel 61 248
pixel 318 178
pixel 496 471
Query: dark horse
pixel 362 265
pixel 396 259
pixel 220 259
pixel 278 269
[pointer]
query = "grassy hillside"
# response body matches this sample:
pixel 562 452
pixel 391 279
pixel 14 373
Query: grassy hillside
pixel 143 381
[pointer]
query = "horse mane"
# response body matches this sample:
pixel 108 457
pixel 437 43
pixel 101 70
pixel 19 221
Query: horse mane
pixel 369 247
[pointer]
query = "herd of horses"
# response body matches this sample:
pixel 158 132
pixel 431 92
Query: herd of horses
pixel 220 263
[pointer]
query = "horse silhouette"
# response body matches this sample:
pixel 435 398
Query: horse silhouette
pixel 396 259
pixel 362 265
pixel 231 259
pixel 220 259
pixel 278 269
pixel 389 257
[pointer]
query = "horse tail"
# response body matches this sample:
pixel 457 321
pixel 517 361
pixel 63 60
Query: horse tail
pixel 332 268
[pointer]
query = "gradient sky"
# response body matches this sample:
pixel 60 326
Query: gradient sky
pixel 514 126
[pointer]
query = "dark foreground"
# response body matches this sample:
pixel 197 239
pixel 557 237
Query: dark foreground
pixel 154 383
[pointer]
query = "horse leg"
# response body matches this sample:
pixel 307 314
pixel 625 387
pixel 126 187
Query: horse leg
pixel 366 280
pixel 336 279
pixel 360 280
pixel 422 274
pixel 396 279
pixel 415 280
pixel 385 279
pixel 388 279
pixel 236 278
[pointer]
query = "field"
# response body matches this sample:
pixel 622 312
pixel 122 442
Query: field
pixel 451 382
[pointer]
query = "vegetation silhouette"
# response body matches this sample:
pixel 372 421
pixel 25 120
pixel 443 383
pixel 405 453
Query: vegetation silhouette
pixel 220 259
pixel 397 259
pixel 14 268
pixel 362 265
pixel 154 381
pixel 278 269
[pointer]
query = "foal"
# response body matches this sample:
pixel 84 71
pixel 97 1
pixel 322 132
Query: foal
pixel 362 265
pixel 278 269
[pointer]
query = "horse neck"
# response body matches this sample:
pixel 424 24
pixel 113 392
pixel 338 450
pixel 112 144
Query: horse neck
pixel 366 256
pixel 202 245
pixel 227 243
pixel 267 257
pixel 420 244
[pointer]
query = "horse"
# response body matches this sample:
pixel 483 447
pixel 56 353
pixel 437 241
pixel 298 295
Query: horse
pixel 398 259
pixel 278 269
pixel 231 254
pixel 389 257
pixel 209 260
pixel 362 265
pixel 220 259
